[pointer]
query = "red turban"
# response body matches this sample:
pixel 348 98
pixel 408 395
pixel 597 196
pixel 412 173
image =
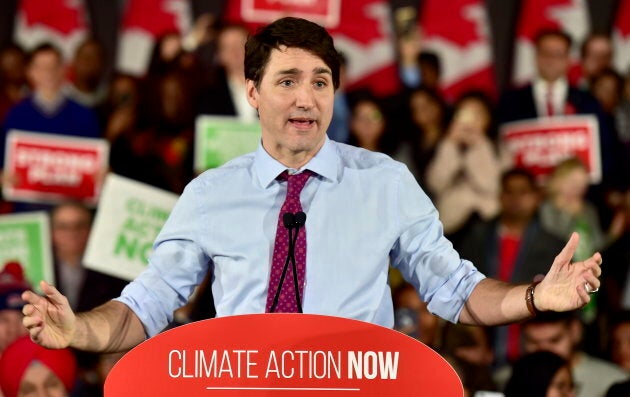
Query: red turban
pixel 20 354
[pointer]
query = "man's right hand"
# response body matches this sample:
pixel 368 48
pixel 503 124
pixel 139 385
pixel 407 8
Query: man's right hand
pixel 49 318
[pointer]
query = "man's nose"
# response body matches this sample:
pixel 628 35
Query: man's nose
pixel 304 97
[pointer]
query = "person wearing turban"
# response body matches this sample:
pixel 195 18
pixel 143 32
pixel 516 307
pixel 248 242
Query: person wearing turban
pixel 28 369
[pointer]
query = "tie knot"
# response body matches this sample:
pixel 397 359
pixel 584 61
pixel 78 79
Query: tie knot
pixel 295 182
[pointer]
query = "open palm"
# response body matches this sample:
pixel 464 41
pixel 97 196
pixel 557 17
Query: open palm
pixel 563 288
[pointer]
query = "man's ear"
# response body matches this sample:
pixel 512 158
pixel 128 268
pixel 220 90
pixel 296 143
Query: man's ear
pixel 252 93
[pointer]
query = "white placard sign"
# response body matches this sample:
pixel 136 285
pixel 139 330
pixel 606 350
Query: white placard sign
pixel 129 217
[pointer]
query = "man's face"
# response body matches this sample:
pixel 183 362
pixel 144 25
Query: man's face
pixel 294 102
pixel 11 327
pixel 554 337
pixel 552 58
pixel 88 63
pixel 519 199
pixel 38 380
pixel 46 71
pixel 231 49
pixel 70 230
pixel 597 57
pixel 12 64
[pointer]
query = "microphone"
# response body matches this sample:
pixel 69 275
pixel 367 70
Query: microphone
pixel 288 219
pixel 299 219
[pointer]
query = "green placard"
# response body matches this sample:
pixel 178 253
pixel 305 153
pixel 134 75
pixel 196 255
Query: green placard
pixel 219 139
pixel 25 238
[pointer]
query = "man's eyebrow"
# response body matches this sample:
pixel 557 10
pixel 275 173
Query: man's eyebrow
pixel 322 70
pixel 296 71
pixel 288 72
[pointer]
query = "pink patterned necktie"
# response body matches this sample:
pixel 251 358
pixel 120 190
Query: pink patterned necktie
pixel 287 302
pixel 549 100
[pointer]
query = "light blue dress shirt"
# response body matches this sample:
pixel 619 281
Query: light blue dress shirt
pixel 363 211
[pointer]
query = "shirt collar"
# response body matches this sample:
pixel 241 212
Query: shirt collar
pixel 559 85
pixel 324 163
pixel 49 107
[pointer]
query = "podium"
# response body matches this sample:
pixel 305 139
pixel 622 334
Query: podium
pixel 282 355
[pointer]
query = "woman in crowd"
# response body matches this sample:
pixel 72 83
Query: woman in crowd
pixel 428 117
pixel 368 126
pixel 463 176
pixel 540 374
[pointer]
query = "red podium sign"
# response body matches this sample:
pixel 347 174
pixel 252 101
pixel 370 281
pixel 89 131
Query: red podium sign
pixel 281 355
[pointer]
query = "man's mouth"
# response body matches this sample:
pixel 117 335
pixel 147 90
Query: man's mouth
pixel 302 122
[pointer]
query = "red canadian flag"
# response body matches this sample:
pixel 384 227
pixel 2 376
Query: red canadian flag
pixel 621 37
pixel 457 31
pixel 571 16
pixel 143 22
pixel 60 22
pixel 361 29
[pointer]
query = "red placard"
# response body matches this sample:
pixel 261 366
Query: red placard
pixel 281 355
pixel 538 145
pixel 50 168
pixel 325 12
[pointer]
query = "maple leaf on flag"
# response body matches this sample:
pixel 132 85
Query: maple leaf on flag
pixel 457 31
pixel 60 22
pixel 156 17
pixel 363 34
pixel 143 22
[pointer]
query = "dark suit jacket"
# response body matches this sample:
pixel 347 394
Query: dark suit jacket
pixel 536 253
pixel 519 104
pixel 216 98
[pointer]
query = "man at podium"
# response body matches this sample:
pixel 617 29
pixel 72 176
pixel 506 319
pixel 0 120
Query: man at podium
pixel 303 224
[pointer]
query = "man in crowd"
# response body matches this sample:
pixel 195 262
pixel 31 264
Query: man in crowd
pixel 561 333
pixel 551 94
pixel 513 247
pixel 48 109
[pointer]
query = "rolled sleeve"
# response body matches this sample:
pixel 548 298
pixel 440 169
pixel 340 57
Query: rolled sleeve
pixel 177 265
pixel 426 258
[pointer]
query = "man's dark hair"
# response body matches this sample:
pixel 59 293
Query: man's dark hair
pixel 45 47
pixel 519 172
pixel 592 37
pixel 293 33
pixel 610 72
pixel 551 317
pixel 431 59
pixel 545 33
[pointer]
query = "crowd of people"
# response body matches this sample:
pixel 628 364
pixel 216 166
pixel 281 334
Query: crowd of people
pixel 510 224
